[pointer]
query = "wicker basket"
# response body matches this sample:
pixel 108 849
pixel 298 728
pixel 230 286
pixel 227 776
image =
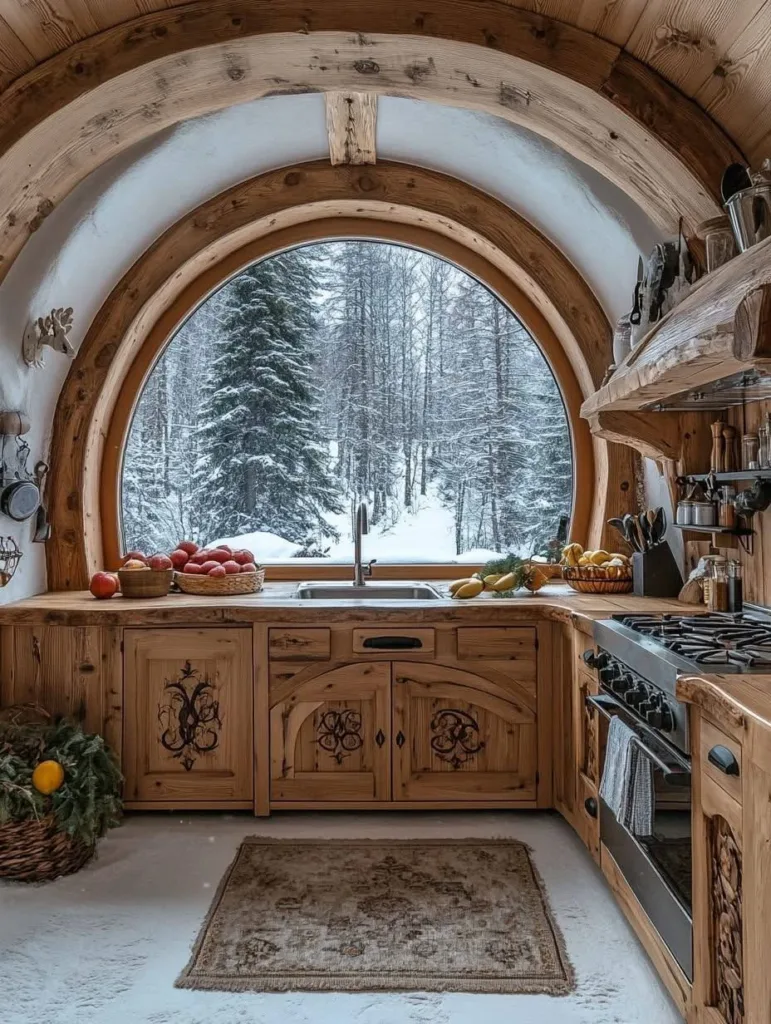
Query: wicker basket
pixel 34 851
pixel 145 582
pixel 220 586
pixel 586 584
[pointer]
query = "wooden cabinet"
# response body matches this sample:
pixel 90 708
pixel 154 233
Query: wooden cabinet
pixel 718 882
pixel 330 734
pixel 456 723
pixel 188 717
pixel 460 736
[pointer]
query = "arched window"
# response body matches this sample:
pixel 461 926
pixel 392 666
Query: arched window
pixel 344 371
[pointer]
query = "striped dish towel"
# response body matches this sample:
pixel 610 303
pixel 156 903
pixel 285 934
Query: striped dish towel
pixel 627 780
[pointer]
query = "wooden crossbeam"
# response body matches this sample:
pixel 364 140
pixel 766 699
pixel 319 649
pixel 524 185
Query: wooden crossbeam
pixel 351 122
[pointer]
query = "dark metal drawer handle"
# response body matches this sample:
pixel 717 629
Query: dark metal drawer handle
pixel 400 739
pixel 725 762
pixel 380 738
pixel 590 806
pixel 392 643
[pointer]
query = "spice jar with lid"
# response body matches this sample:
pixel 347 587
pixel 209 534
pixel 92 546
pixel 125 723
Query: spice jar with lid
pixel 718 593
pixel 684 514
pixel 750 451
pixel 727 509
pixel 710 561
pixel 703 513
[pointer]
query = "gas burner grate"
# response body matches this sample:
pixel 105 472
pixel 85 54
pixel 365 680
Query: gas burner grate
pixel 715 638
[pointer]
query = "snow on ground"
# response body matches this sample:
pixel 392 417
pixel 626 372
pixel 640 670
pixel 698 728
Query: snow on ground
pixel 266 547
pixel 426 534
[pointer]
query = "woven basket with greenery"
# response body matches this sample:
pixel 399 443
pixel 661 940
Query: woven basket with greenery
pixel 45 835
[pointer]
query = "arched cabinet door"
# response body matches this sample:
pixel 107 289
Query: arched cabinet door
pixel 460 736
pixel 330 736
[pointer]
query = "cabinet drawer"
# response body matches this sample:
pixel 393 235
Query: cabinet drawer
pixel 723 749
pixel 306 644
pixel 502 643
pixel 383 641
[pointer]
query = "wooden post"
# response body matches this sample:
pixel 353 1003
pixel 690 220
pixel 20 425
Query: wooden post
pixel 351 122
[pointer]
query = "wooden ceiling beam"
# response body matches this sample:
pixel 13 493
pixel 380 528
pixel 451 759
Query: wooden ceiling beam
pixel 69 115
pixel 351 125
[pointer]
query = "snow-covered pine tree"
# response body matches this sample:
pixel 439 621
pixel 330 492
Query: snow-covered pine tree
pixel 263 463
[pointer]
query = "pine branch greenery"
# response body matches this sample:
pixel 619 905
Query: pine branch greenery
pixel 87 803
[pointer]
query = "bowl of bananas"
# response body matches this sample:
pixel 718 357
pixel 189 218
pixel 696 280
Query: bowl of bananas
pixel 596 572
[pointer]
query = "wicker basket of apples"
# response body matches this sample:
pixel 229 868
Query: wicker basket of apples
pixel 217 571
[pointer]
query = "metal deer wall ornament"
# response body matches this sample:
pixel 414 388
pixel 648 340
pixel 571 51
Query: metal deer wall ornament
pixel 51 330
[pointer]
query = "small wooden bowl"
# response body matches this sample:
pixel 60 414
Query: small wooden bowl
pixel 145 582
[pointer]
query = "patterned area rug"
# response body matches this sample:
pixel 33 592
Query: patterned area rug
pixel 364 916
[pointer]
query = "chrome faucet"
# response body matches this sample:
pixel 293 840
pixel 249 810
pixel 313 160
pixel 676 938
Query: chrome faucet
pixel 361 526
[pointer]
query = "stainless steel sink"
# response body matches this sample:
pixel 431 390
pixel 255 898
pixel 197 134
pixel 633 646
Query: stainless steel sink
pixel 383 591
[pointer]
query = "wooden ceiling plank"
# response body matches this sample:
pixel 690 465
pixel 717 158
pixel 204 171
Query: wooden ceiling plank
pixel 737 92
pixel 684 39
pixel 46 26
pixel 614 20
pixel 351 124
pixel 15 58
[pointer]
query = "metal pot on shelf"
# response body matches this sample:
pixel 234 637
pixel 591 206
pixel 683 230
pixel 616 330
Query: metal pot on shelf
pixel 748 207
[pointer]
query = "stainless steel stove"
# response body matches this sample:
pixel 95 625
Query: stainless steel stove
pixel 638 660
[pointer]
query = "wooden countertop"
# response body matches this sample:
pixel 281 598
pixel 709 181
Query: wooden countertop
pixel 733 700
pixel 277 603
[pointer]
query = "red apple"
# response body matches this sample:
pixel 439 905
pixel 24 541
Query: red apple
pixel 103 585
pixel 135 556
pixel 210 564
pixel 219 555
pixel 218 570
pixel 248 567
pixel 242 556
pixel 200 556
pixel 187 545
pixel 230 566
pixel 192 569
pixel 179 558
pixel 160 562
pixel 225 547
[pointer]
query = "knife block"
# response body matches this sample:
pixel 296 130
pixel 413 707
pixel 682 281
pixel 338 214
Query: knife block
pixel 655 573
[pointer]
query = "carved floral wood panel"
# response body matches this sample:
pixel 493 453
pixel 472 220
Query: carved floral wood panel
pixel 726 895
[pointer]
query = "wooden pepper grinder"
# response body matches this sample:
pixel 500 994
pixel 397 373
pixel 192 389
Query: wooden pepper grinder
pixel 730 459
pixel 716 459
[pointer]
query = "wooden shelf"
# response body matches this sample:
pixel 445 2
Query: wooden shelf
pixel 735 531
pixel 720 329
pixel 743 474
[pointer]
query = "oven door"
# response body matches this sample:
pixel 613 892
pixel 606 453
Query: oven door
pixel 657 867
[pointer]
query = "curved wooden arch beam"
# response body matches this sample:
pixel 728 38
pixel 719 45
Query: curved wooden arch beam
pixel 72 113
pixel 289 201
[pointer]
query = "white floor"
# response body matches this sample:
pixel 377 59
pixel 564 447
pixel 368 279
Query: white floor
pixel 104 946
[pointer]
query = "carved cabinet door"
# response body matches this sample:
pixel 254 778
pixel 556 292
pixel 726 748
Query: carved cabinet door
pixel 330 734
pixel 460 736
pixel 188 716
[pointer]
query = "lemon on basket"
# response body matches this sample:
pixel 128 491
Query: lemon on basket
pixel 47 777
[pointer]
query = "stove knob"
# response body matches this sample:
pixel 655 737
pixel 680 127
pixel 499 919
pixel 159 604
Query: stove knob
pixel 654 716
pixel 636 695
pixel 608 674
pixel 667 718
pixel 623 684
pixel 590 658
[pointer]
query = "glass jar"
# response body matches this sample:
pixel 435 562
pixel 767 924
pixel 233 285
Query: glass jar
pixel 735 587
pixel 750 451
pixel 764 439
pixel 711 561
pixel 684 516
pixel 727 509
pixel 718 594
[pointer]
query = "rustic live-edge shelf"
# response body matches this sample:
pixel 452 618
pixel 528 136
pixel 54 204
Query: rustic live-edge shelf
pixel 721 328
pixel 734 531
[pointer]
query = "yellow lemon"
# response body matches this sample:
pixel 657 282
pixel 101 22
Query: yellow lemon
pixel 470 588
pixel 47 777
pixel 598 557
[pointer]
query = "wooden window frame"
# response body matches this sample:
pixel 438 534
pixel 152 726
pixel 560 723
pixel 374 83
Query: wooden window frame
pixel 318 232
pixel 275 211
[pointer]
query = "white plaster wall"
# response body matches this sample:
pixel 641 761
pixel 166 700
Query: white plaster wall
pixel 91 239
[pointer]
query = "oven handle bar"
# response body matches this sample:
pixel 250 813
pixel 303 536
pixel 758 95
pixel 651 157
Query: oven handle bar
pixel 649 743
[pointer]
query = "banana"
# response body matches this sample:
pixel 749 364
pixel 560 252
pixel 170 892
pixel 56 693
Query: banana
pixel 457 584
pixel 505 582
pixel 571 554
pixel 492 579
pixel 598 557
pixel 470 588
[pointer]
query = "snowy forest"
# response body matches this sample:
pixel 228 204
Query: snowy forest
pixel 348 371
